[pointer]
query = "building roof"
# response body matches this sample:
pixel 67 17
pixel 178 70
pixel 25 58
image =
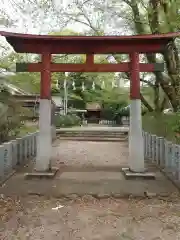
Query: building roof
pixel 86 44
pixel 93 107
pixel 29 98
pixel 87 38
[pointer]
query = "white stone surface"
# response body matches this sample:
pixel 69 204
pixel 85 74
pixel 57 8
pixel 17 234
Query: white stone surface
pixel 136 143
pixel 53 132
pixel 44 143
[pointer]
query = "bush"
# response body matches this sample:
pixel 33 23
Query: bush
pixel 163 125
pixel 9 128
pixel 67 120
pixel 10 118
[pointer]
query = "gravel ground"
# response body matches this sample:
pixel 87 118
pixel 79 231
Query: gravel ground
pixel 36 218
pixel 90 219
pixel 90 153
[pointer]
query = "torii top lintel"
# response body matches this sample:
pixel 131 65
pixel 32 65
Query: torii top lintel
pixel 28 43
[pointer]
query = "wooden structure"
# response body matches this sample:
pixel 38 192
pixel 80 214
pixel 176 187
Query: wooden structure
pixel 90 45
pixel 93 113
pixel 32 102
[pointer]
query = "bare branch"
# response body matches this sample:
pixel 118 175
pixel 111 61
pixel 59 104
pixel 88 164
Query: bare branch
pixel 146 104
pixel 147 82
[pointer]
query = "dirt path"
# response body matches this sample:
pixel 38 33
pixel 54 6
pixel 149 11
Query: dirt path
pixel 90 153
pixel 37 218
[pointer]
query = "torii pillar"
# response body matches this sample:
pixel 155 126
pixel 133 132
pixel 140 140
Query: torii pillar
pixel 136 143
pixel 136 149
pixel 44 144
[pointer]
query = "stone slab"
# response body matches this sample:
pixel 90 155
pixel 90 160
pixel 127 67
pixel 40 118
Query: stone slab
pixel 94 128
pixel 134 175
pixel 93 139
pixel 37 174
pixel 91 176
pixel 94 183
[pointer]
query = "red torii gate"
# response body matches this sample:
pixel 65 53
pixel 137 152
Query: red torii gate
pixel 89 45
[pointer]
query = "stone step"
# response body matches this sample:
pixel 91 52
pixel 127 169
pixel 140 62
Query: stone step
pixel 92 138
pixel 91 135
pixel 92 131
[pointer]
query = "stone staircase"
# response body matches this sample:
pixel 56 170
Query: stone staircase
pixel 92 135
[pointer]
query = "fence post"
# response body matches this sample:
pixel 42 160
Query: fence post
pixel 157 158
pixel 35 143
pixel 19 150
pixel 2 165
pixel 145 144
pixel 156 150
pixel 25 140
pixel 173 161
pixel 28 139
pixel 168 156
pixel 149 146
pixel 7 158
pixel 177 162
pixel 14 153
pixel 153 147
pixel 31 144
pixel 162 151
pixel 23 151
pixel 27 147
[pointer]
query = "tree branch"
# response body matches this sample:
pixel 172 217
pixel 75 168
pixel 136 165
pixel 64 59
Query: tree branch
pixel 147 82
pixel 146 104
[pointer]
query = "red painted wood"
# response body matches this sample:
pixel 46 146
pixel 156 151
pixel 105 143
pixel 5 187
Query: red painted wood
pixel 89 47
pixel 135 79
pixel 97 38
pixel 59 67
pixel 89 59
pixel 89 44
pixel 45 90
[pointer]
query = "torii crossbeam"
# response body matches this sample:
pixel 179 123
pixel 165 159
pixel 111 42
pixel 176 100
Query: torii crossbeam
pixel 89 45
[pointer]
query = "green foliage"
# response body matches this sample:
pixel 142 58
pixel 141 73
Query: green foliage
pixel 10 116
pixel 69 120
pixel 9 128
pixel 123 112
pixel 29 82
pixel 24 130
pixel 111 109
pixel 163 125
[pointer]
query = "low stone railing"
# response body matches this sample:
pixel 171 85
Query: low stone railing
pixel 158 150
pixel 164 153
pixel 17 153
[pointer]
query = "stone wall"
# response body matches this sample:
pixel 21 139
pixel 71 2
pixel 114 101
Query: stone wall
pixel 163 153
pixel 17 153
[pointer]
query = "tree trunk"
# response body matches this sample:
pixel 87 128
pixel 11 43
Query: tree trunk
pixel 170 85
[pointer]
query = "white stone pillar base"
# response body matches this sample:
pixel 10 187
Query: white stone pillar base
pixel 136 143
pixel 44 142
